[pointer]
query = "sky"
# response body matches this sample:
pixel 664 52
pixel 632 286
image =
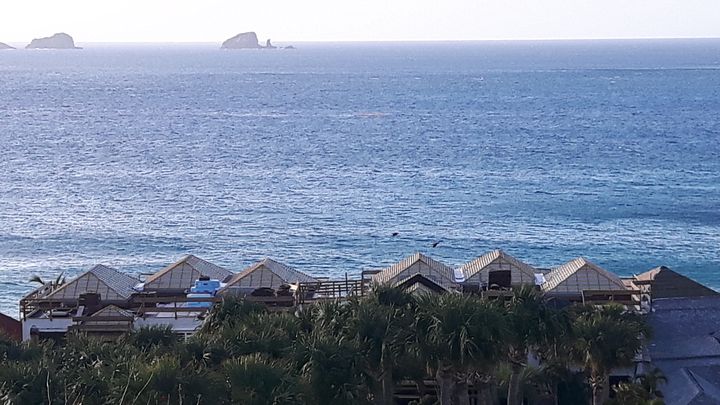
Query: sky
pixel 357 20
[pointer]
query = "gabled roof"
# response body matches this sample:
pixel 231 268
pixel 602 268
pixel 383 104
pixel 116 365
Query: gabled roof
pixel 666 283
pixel 584 274
pixel 481 263
pixel 113 310
pixel 282 271
pixel 434 270
pixel 419 282
pixel 106 281
pixel 184 272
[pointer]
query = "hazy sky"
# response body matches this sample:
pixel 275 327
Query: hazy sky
pixel 357 20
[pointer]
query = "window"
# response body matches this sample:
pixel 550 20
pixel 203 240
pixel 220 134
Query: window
pixel 500 279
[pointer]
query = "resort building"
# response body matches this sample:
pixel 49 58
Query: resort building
pixel 109 322
pixel 49 310
pixel 580 280
pixel 181 275
pixel 170 296
pixel 266 273
pixel 418 273
pixel 104 302
pixel 107 303
pixel 109 284
pixel 496 270
pixel 662 282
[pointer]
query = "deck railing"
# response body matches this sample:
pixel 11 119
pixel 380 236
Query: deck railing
pixel 329 290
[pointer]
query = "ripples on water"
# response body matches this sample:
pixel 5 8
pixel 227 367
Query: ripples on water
pixel 134 156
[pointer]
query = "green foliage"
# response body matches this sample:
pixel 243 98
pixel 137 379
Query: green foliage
pixel 633 394
pixel 350 352
pixel 606 337
pixel 230 311
pixel 153 337
pixel 258 380
pixel 460 330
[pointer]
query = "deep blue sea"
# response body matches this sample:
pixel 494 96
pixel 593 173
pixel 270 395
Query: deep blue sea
pixel 134 155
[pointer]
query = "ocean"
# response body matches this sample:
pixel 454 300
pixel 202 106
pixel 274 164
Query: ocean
pixel 133 155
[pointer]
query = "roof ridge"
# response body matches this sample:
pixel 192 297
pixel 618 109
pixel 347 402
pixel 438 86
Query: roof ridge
pixel 432 262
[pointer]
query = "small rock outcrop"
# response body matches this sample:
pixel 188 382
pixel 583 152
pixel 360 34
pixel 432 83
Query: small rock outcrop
pixel 5 46
pixel 245 40
pixel 57 41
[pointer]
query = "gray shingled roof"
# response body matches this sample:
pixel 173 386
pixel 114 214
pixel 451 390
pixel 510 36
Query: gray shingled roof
pixel 685 348
pixel 282 271
pixel 666 283
pixel 201 266
pixel 114 280
pixel 471 268
pixel 438 272
pixel 600 279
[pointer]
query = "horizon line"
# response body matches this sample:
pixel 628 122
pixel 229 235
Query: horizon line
pixel 359 41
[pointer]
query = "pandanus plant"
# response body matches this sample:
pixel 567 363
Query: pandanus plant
pixel 52 284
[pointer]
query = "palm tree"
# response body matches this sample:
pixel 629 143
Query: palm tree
pixel 268 333
pixel 461 336
pixel 328 367
pixel 532 324
pixel 229 311
pixel 606 338
pixel 258 380
pixel 381 325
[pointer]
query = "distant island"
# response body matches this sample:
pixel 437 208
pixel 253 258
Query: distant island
pixel 248 40
pixel 57 41
pixel 5 46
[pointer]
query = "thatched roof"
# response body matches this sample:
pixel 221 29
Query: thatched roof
pixel 106 281
pixel 666 283
pixel 580 275
pixel 477 271
pixel 416 264
pixel 268 273
pixel 183 273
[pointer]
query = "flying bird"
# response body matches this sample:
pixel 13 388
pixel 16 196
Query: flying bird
pixel 435 244
pixel 395 234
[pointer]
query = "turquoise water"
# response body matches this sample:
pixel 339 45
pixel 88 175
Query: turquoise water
pixel 133 155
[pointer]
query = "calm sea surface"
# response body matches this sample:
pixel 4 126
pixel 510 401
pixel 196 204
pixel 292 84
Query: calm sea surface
pixel 135 155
